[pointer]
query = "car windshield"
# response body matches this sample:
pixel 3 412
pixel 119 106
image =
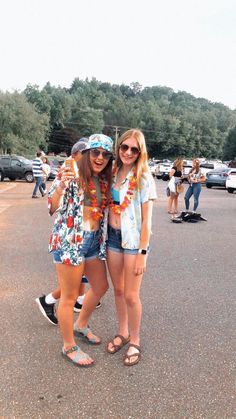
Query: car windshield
pixel 24 160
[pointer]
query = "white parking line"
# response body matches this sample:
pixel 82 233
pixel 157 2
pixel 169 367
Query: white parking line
pixel 7 188
pixel 4 207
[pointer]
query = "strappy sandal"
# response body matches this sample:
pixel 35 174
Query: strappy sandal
pixel 83 333
pixel 116 347
pixel 135 354
pixel 80 356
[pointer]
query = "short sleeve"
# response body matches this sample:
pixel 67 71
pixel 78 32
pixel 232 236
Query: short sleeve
pixel 148 189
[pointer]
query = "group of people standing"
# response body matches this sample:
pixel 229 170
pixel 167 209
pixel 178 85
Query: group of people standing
pixel 195 179
pixel 104 212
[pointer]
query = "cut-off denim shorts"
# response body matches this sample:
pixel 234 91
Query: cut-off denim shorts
pixel 90 247
pixel 114 242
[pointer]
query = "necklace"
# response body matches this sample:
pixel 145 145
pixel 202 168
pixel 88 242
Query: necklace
pixel 117 209
pixel 96 211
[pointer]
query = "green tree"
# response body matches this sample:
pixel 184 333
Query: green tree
pixel 22 129
pixel 230 145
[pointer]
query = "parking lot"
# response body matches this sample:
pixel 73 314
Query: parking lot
pixel 188 331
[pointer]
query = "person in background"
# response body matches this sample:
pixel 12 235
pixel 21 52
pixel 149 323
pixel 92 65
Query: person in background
pixel 77 242
pixel 129 230
pixel 176 172
pixel 46 303
pixel 195 179
pixel 46 172
pixel 37 167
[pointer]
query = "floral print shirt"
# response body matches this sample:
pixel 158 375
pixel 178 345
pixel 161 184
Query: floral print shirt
pixel 67 232
pixel 131 217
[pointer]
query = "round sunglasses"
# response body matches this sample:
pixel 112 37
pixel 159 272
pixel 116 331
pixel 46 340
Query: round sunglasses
pixel 125 147
pixel 105 154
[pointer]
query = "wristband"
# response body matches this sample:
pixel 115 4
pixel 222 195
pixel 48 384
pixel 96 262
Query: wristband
pixel 142 251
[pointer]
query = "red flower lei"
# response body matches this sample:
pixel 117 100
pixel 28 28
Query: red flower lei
pixel 117 209
pixel 96 211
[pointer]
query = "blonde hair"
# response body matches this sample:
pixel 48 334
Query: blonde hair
pixel 141 162
pixel 178 163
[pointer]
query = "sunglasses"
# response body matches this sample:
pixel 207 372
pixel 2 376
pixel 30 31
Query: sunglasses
pixel 105 154
pixel 125 147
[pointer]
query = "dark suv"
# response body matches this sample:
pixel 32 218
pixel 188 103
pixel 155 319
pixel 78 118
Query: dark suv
pixel 16 167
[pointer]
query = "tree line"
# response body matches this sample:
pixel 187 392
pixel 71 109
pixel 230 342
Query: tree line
pixel 174 123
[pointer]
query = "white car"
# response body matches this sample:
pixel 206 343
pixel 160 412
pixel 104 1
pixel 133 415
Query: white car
pixel 231 181
pixel 153 167
pixel 163 168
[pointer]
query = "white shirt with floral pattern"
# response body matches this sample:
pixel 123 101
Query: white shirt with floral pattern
pixel 131 217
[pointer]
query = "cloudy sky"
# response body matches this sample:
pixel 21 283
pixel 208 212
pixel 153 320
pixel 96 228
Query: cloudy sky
pixel 187 45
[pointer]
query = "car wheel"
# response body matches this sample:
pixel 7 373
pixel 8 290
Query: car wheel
pixel 29 177
pixel 230 190
pixel 1 177
pixel 12 178
pixel 208 186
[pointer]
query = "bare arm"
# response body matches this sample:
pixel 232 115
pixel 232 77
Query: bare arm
pixel 58 193
pixel 56 198
pixel 140 265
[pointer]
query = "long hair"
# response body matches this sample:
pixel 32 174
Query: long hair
pixel 141 162
pixel 46 160
pixel 195 167
pixel 178 163
pixel 86 173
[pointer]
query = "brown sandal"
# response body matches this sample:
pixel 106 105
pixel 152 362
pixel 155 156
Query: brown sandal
pixel 136 354
pixel 116 348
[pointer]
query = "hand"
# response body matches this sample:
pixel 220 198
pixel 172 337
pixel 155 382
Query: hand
pixel 140 264
pixel 66 176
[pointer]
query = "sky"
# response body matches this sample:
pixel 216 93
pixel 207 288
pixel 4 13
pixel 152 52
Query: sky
pixel 187 45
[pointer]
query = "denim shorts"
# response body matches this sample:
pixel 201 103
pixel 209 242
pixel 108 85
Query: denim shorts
pixel 114 242
pixel 89 250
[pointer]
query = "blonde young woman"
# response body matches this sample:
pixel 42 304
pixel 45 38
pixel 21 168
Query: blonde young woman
pixel 78 240
pixel 177 173
pixel 129 230
pixel 195 178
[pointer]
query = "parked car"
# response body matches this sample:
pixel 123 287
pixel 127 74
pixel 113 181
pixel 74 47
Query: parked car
pixel 153 165
pixel 217 177
pixel 162 169
pixel 207 166
pixel 55 163
pixel 231 181
pixel 15 167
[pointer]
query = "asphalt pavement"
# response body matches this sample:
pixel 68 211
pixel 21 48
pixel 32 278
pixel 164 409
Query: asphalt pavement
pixel 188 329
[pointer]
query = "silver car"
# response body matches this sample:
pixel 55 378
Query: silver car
pixel 217 177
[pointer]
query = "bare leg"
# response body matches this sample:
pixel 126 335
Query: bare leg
pixel 81 289
pixel 69 279
pixel 176 198
pixel 170 204
pixel 132 298
pixel 96 272
pixel 56 293
pixel 115 263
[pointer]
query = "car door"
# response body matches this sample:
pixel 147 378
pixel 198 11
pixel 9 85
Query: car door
pixel 5 164
pixel 16 168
